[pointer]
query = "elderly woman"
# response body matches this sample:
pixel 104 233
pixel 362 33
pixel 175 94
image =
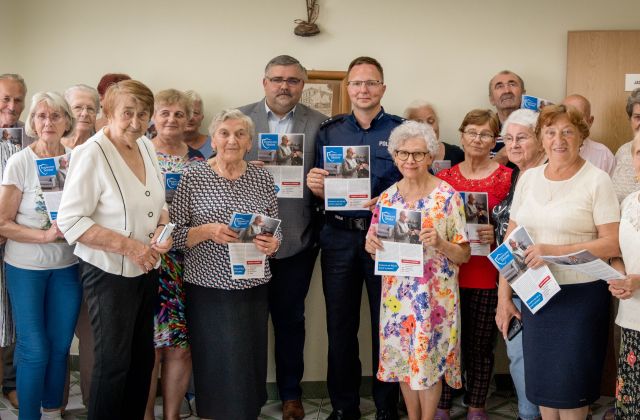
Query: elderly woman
pixel 628 389
pixel 419 317
pixel 172 113
pixel 478 173
pixel 624 179
pixel 207 196
pixel 42 272
pixel 567 205
pixel 424 112
pixel 84 102
pixel 525 151
pixel 113 209
pixel 192 136
pixel 104 84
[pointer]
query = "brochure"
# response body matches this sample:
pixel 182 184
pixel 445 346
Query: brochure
pixel 587 263
pixel 283 157
pixel 534 286
pixel 439 165
pixel 13 135
pixel 402 254
pixel 171 181
pixel 246 261
pixel 534 103
pixel 476 205
pixel 348 185
pixel 52 173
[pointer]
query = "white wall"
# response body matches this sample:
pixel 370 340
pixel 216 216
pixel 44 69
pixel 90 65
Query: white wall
pixel 443 51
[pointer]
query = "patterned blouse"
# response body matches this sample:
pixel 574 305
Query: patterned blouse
pixel 204 197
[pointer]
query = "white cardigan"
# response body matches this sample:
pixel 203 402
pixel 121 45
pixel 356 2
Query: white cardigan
pixel 101 189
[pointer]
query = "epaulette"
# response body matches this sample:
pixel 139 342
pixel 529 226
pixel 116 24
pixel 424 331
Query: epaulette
pixel 333 119
pixel 397 118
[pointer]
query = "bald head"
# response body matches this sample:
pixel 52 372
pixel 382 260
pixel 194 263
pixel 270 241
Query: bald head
pixel 583 106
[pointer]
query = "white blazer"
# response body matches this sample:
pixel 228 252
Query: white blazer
pixel 101 189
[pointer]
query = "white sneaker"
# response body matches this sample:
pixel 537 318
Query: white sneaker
pixel 51 415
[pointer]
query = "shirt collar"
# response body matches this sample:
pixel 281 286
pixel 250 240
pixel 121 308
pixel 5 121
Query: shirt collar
pixel 272 116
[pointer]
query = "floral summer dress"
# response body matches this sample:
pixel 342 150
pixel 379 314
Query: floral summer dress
pixel 419 316
pixel 170 325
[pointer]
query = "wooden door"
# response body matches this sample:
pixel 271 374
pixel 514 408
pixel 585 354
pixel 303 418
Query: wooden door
pixel 597 62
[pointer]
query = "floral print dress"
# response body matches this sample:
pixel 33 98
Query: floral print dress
pixel 419 316
pixel 170 324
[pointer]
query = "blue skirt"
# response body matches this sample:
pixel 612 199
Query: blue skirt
pixel 565 345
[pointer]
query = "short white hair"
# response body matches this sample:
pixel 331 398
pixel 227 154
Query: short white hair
pixel 524 117
pixel 418 104
pixel 84 88
pixel 232 114
pixel 413 129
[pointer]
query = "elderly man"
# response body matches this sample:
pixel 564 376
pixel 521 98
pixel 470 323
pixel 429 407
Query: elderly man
pixel 280 112
pixel 12 92
pixel 624 179
pixel 345 263
pixel 505 93
pixel 596 153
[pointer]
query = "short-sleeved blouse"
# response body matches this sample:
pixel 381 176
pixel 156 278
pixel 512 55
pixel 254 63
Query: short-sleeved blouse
pixel 565 212
pixel 629 309
pixel 479 273
pixel 205 197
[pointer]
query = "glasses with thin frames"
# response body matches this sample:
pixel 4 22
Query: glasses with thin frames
pixel 367 83
pixel 54 117
pixel 472 135
pixel 292 81
pixel 519 139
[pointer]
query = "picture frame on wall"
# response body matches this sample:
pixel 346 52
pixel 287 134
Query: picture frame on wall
pixel 326 92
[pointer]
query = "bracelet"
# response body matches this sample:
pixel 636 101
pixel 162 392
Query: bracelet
pixel 160 225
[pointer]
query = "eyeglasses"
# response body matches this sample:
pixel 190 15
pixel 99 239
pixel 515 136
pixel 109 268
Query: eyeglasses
pixel 404 155
pixel 367 83
pixel 472 135
pixel 292 81
pixel 552 132
pixel 79 108
pixel 54 117
pixel 517 139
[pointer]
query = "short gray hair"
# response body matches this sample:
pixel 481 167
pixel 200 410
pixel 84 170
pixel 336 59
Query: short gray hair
pixel 84 88
pixel 285 60
pixel 413 129
pixel 524 117
pixel 195 97
pixel 53 100
pixel 231 114
pixel 16 78
pixel 633 99
pixel 418 104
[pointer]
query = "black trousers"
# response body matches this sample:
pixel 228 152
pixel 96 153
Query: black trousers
pixel 345 266
pixel 121 314
pixel 287 291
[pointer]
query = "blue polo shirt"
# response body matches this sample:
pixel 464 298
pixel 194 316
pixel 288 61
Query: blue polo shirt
pixel 344 130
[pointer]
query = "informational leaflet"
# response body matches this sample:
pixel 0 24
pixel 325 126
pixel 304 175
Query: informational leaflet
pixel 348 185
pixel 246 261
pixel 534 103
pixel 52 173
pixel 283 157
pixel 439 165
pixel 399 231
pixel 171 181
pixel 587 263
pixel 534 286
pixel 476 205
pixel 13 135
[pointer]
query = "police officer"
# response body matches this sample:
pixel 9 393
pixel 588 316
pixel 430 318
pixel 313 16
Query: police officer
pixel 345 263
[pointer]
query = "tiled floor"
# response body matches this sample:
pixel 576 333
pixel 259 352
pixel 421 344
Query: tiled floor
pixel 499 407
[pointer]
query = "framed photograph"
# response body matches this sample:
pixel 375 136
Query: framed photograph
pixel 326 92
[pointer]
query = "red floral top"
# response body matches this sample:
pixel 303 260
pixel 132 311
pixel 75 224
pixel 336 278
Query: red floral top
pixel 479 273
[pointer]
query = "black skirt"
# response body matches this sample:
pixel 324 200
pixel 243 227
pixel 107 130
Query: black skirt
pixel 565 345
pixel 228 338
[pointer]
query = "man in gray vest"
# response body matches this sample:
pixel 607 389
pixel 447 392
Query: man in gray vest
pixel 280 112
